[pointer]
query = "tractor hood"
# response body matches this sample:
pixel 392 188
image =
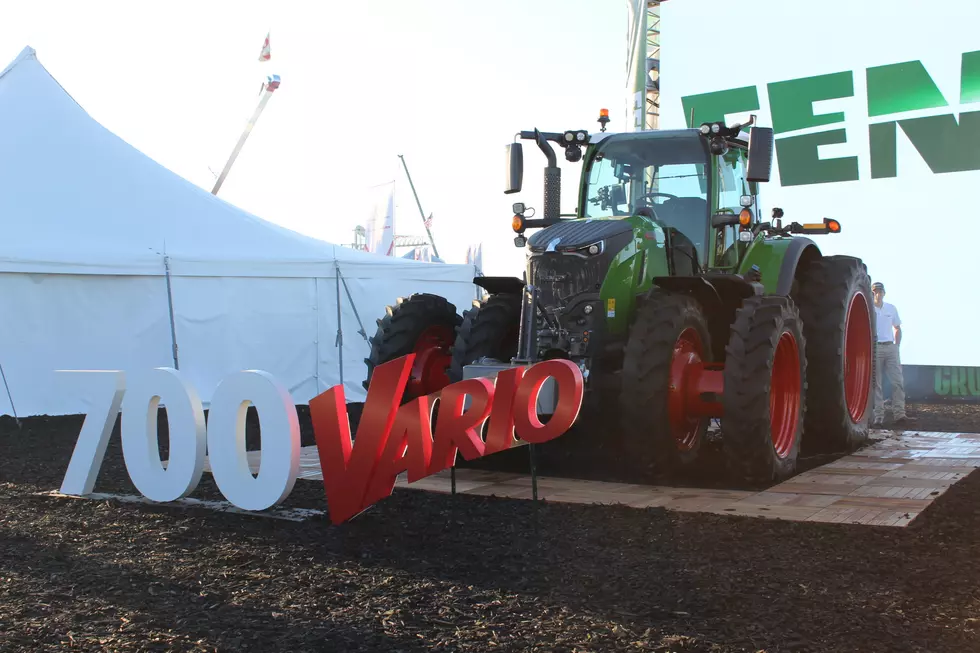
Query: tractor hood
pixel 576 234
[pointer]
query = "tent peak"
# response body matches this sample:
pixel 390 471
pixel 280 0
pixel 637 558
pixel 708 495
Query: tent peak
pixel 27 53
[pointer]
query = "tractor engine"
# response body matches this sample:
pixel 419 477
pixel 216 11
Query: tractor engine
pixel 567 263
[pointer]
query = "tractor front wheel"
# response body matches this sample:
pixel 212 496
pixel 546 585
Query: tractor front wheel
pixel 490 329
pixel 424 325
pixel 839 324
pixel 765 390
pixel 663 367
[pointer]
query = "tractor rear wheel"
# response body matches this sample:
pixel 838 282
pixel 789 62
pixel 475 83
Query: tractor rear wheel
pixel 490 329
pixel 422 324
pixel 765 390
pixel 839 324
pixel 669 339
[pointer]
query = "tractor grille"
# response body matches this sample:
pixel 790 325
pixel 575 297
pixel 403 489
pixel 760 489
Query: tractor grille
pixel 560 276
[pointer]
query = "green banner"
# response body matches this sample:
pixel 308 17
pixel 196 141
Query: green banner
pixel 939 384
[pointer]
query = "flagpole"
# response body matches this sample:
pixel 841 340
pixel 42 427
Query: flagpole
pixel 435 251
pixel 268 87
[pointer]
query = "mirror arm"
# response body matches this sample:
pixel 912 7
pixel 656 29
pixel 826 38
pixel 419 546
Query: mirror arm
pixel 549 152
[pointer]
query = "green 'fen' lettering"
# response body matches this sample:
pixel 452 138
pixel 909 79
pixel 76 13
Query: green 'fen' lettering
pixel 945 144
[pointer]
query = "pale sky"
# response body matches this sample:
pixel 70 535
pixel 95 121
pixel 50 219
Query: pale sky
pixel 446 83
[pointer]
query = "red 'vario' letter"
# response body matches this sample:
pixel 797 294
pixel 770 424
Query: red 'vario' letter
pixel 500 430
pixel 456 429
pixel 347 473
pixel 570 390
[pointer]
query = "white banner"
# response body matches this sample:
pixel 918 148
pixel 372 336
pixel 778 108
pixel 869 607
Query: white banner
pixel 876 130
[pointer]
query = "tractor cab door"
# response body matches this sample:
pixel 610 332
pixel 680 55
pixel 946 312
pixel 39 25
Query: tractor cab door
pixel 730 185
pixel 677 196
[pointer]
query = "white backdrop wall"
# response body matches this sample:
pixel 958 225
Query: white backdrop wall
pixel 910 220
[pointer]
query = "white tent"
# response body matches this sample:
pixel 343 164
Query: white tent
pixel 90 228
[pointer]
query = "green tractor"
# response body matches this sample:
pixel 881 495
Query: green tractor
pixel 678 303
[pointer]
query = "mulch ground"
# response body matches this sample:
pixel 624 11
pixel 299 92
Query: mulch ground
pixel 421 572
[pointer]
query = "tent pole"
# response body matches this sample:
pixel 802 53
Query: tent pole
pixel 353 306
pixel 170 305
pixel 12 408
pixel 316 342
pixel 340 330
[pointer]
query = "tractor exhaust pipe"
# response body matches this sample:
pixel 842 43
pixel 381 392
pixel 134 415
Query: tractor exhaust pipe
pixel 552 181
pixel 529 332
pixel 552 175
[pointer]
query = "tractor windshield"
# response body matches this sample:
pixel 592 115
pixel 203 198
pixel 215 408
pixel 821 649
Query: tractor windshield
pixel 663 172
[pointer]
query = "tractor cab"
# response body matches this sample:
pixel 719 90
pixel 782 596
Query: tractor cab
pixel 699 186
pixel 693 183
pixel 665 176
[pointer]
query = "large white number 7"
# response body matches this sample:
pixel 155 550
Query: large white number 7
pixel 86 459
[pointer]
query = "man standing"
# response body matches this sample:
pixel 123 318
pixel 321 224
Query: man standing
pixel 888 360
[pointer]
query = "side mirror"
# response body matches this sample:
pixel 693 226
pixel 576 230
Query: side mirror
pixel 515 168
pixel 617 195
pixel 760 154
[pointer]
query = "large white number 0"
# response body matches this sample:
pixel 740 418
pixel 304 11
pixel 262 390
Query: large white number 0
pixel 279 434
pixel 188 437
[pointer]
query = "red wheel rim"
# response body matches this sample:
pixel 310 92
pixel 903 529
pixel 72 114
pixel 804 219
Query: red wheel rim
pixel 784 394
pixel 857 356
pixel 688 352
pixel 432 359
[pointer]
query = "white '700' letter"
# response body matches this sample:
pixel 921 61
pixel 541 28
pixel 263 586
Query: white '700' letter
pixel 108 388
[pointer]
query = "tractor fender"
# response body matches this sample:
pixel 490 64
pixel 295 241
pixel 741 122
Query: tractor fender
pixel 711 290
pixel 778 260
pixel 797 250
pixel 500 285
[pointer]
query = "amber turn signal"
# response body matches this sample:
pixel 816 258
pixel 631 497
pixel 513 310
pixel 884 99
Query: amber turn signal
pixel 745 217
pixel 517 224
pixel 833 226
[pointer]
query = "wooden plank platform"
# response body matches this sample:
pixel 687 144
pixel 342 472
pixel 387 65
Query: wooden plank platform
pixel 888 483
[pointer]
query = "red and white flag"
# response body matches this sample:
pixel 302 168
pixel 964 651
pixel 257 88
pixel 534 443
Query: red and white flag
pixel 266 50
pixel 428 222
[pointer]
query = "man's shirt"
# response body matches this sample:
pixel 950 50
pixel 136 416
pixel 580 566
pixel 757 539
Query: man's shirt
pixel 887 319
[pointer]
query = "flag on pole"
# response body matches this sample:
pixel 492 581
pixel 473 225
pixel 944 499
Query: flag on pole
pixel 266 51
pixel 428 222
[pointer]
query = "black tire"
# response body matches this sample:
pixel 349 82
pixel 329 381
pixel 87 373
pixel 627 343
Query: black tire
pixel 402 326
pixel 827 288
pixel 660 321
pixel 489 329
pixel 746 426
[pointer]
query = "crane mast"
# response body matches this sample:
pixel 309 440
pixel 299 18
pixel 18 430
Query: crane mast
pixel 643 65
